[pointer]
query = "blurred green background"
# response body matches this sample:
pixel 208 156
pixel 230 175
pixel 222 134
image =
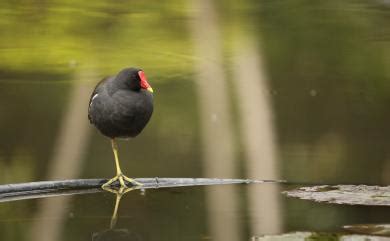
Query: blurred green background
pixel 296 90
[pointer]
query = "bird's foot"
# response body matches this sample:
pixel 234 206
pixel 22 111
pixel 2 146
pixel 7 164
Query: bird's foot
pixel 123 182
pixel 119 191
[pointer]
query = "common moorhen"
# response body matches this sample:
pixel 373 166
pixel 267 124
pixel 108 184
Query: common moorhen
pixel 120 107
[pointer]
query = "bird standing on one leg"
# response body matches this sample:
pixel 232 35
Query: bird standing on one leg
pixel 120 107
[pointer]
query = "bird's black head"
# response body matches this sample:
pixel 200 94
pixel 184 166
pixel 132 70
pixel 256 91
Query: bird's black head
pixel 134 79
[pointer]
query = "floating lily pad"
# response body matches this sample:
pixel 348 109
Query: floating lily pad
pixel 373 229
pixel 344 194
pixel 311 236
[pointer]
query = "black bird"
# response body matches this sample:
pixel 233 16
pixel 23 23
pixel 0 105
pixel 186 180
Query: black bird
pixel 120 107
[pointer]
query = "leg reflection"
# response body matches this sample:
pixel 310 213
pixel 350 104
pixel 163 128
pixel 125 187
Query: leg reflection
pixel 119 194
pixel 112 233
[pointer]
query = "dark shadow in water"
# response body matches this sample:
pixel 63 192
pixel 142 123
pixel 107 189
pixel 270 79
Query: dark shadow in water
pixel 116 235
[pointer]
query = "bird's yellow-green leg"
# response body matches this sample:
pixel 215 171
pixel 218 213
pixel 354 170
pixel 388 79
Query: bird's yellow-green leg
pixel 119 175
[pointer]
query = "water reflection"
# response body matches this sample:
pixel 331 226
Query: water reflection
pixel 66 162
pixel 112 233
pixel 146 216
pixel 218 148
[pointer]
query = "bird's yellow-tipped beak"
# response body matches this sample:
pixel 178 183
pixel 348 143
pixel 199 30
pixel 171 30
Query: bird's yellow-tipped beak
pixel 150 89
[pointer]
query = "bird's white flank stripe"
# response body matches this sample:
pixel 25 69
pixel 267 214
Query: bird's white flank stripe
pixel 93 97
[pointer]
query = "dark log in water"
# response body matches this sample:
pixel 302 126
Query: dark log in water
pixel 19 191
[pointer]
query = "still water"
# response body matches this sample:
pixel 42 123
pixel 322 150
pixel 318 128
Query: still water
pixel 292 90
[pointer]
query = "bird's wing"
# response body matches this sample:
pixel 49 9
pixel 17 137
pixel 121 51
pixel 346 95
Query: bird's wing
pixel 95 93
pixel 124 113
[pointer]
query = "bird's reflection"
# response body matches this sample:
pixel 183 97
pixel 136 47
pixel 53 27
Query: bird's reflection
pixel 119 234
pixel 116 235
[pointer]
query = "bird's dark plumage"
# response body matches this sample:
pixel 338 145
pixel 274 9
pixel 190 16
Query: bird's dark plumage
pixel 121 106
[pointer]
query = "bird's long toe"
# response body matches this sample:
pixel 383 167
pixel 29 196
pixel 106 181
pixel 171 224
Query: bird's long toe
pixel 118 191
pixel 123 180
pixel 132 181
pixel 109 182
